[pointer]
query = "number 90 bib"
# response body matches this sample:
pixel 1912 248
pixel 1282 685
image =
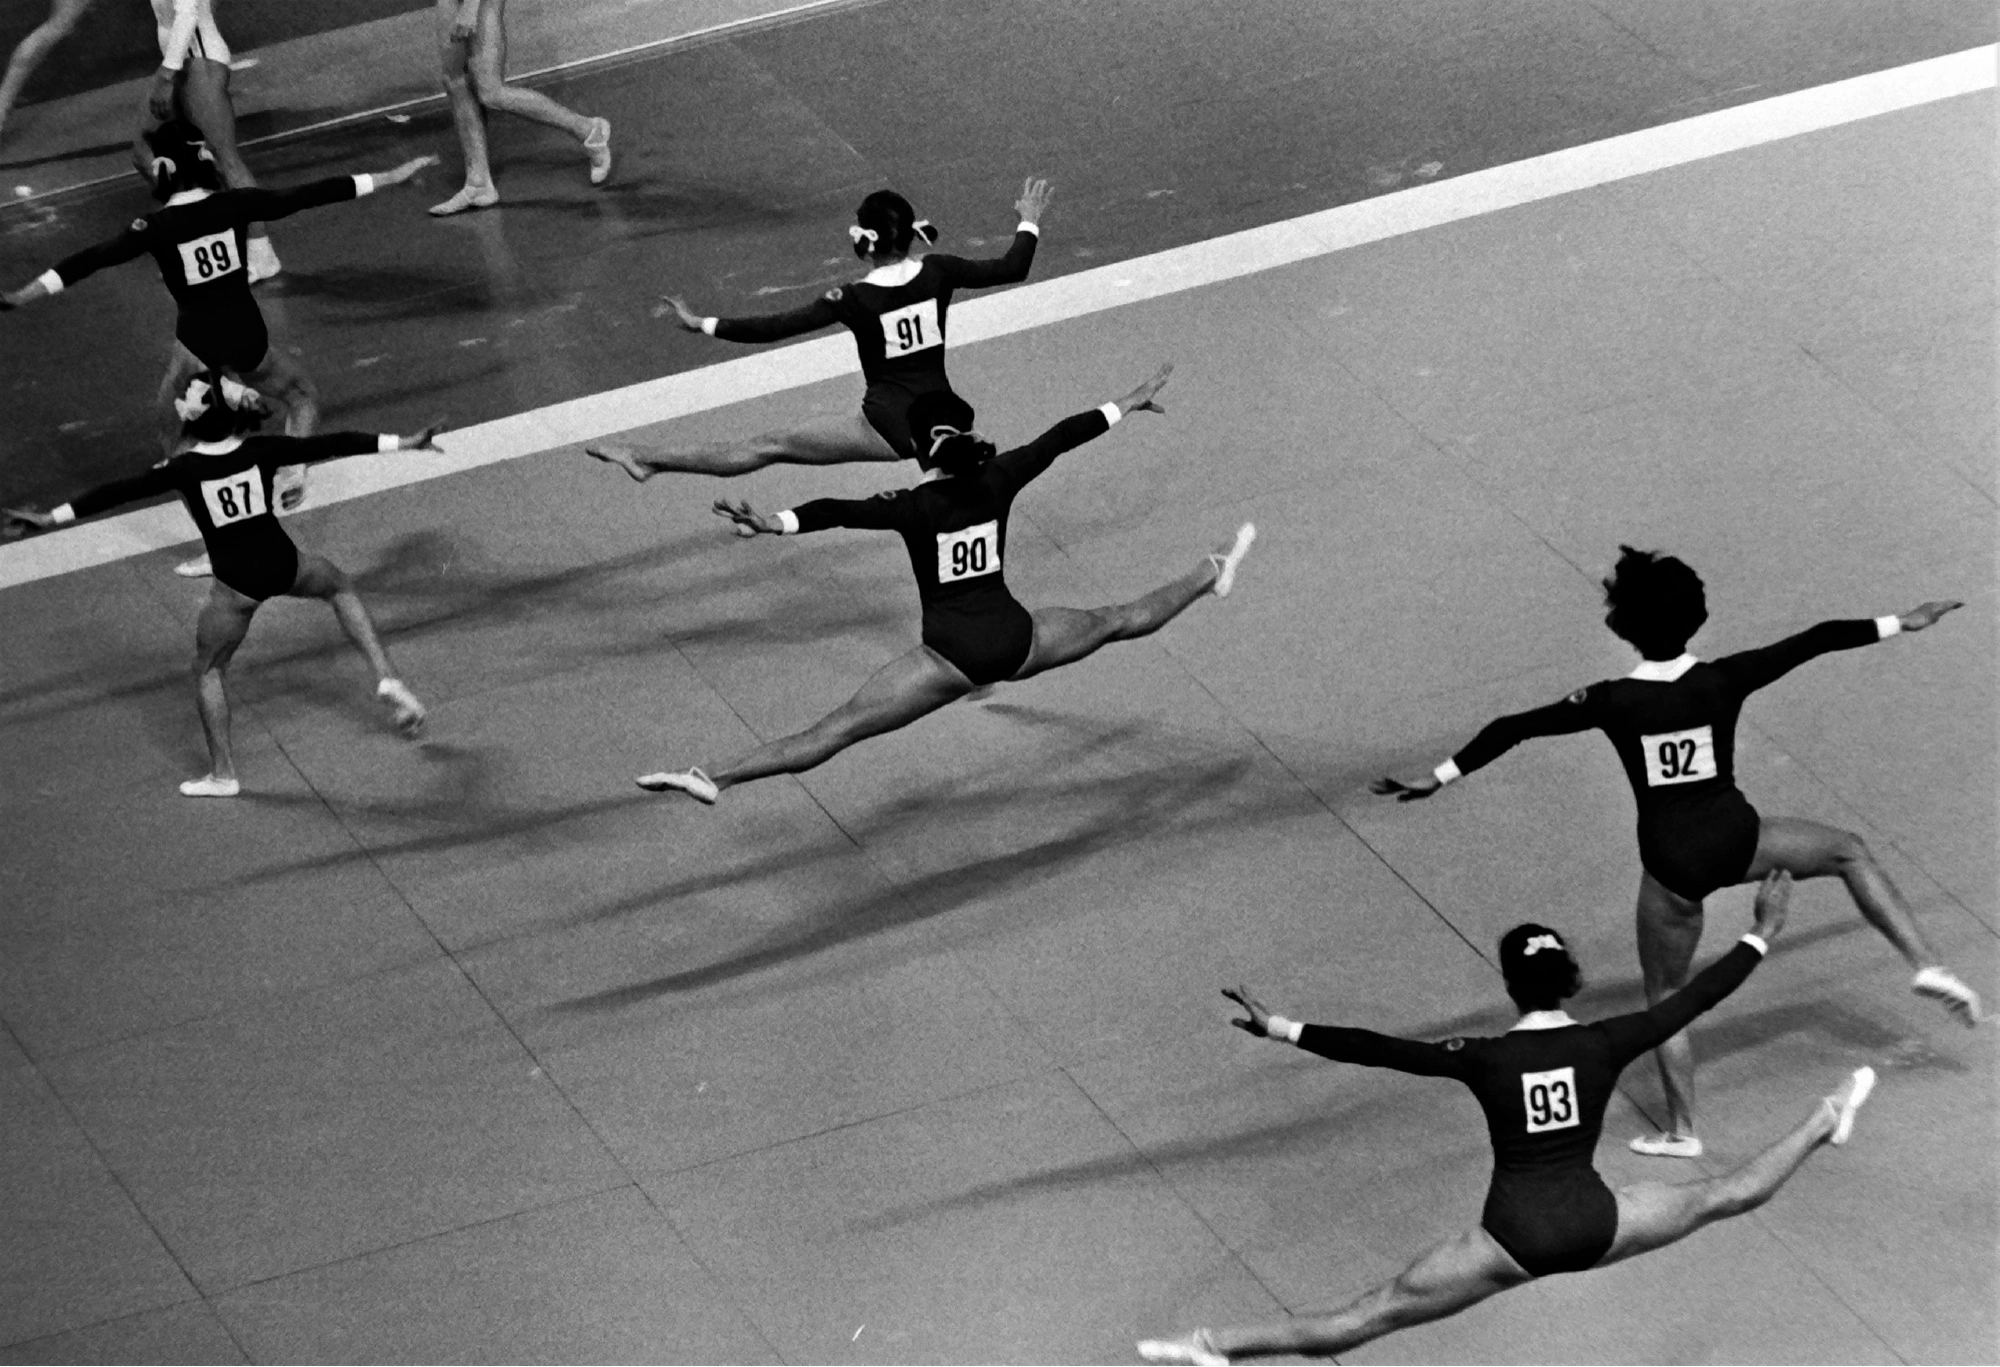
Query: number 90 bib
pixel 970 553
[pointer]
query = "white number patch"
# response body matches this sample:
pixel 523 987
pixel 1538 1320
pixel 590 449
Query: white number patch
pixel 209 258
pixel 911 328
pixel 1679 756
pixel 970 553
pixel 235 498
pixel 1550 1099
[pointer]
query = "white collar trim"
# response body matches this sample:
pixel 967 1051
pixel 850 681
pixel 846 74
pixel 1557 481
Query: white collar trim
pixel 1544 1020
pixel 901 273
pixel 217 448
pixel 1663 671
pixel 935 474
pixel 189 197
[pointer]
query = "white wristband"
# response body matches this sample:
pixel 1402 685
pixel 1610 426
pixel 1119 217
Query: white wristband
pixel 388 441
pixel 1885 627
pixel 1756 942
pixel 708 325
pixel 364 185
pixel 788 523
pixel 50 281
pixel 1027 226
pixel 66 513
pixel 1112 412
pixel 1279 1027
pixel 1446 772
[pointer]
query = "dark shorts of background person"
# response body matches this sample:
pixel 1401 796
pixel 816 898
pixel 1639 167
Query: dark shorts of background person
pixel 988 647
pixel 236 347
pixel 1700 850
pixel 887 410
pixel 1564 1224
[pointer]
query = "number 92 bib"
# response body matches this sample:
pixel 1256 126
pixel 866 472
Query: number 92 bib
pixel 1679 756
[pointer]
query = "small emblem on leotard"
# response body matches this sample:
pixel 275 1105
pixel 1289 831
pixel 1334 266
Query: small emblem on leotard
pixel 835 295
pixel 1454 1045
pixel 1579 695
pixel 138 225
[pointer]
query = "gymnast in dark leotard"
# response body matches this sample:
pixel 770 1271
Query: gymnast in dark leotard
pixel 1544 1086
pixel 975 633
pixel 898 313
pixel 223 472
pixel 1673 723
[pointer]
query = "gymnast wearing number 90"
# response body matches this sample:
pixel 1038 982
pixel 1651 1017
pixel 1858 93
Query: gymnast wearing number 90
pixel 955 525
pixel 1544 1086
pixel 1673 723
pixel 223 473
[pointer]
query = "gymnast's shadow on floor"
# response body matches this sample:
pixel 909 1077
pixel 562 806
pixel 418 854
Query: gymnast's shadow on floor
pixel 1133 806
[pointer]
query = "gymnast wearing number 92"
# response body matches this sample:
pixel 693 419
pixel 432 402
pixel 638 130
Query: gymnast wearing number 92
pixel 1673 723
pixel 1544 1086
pixel 954 524
pixel 223 472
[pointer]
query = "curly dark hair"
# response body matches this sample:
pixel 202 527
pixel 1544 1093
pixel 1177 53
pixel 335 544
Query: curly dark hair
pixel 1654 602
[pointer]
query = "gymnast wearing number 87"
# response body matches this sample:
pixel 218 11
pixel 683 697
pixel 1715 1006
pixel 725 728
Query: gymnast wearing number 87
pixel 1544 1086
pixel 223 472
pixel 1673 723
pixel 954 524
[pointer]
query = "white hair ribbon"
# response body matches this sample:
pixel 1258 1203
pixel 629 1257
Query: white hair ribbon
pixel 922 228
pixel 860 234
pixel 1536 942
pixel 193 401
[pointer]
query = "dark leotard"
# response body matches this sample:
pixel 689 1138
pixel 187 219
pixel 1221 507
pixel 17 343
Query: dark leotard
pixel 898 329
pixel 956 530
pixel 227 489
pixel 198 240
pixel 1544 1094
pixel 1674 728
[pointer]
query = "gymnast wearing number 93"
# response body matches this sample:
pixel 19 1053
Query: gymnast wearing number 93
pixel 954 524
pixel 1673 723
pixel 1544 1086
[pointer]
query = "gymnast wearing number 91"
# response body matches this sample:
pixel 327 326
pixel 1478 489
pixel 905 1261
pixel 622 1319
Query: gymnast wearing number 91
pixel 1544 1086
pixel 1673 723
pixel 897 312
pixel 223 472
pixel 955 525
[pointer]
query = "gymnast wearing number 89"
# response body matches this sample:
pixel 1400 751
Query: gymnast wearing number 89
pixel 1673 723
pixel 954 524
pixel 1544 1086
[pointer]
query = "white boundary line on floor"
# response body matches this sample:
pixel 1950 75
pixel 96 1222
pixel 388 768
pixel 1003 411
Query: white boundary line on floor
pixel 1031 306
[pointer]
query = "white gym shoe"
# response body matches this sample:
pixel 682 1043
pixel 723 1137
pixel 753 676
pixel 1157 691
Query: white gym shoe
pixel 1196 1349
pixel 1941 984
pixel 1226 562
pixel 598 144
pixel 210 786
pixel 693 782
pixel 263 260
pixel 1847 1101
pixel 1667 1145
pixel 288 489
pixel 197 568
pixel 409 713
